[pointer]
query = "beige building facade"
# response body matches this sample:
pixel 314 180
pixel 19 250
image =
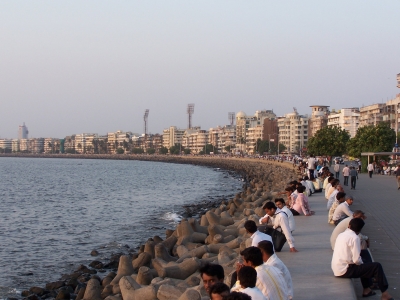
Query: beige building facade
pixel 347 119
pixel 318 119
pixel 172 136
pixel 293 131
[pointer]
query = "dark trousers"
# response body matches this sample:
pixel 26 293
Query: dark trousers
pixel 365 272
pixel 337 175
pixel 311 174
pixel 294 212
pixel 346 180
pixel 370 174
pixel 353 181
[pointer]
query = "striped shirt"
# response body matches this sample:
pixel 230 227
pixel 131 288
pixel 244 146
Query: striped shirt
pixel 274 261
pixel 271 283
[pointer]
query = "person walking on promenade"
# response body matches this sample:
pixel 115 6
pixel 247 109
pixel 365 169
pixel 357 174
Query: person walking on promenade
pixel 311 166
pixel 370 169
pixel 347 263
pixel 397 172
pixel 336 168
pixel 353 177
pixel 346 173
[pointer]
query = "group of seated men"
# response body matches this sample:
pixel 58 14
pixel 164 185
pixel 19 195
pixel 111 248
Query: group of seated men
pixel 351 257
pixel 259 275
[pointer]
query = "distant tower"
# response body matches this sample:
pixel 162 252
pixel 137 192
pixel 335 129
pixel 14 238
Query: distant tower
pixel 398 80
pixel 23 132
pixel 231 116
pixel 190 112
pixel 145 118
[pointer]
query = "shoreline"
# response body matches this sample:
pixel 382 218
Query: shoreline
pixel 262 178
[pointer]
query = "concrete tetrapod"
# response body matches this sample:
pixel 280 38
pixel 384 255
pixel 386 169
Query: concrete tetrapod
pixel 178 271
pixel 93 290
pixel 215 219
pixel 143 259
pixel 124 269
pixel 131 290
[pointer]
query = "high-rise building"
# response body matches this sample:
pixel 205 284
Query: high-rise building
pixel 347 119
pixel 293 131
pixel 371 114
pixel 23 132
pixel 398 80
pixel 172 136
pixel 318 120
pixel 246 138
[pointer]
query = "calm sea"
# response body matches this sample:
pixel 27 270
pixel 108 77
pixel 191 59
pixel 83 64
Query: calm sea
pixel 53 212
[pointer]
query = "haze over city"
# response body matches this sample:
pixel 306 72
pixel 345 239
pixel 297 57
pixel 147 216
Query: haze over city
pixel 95 66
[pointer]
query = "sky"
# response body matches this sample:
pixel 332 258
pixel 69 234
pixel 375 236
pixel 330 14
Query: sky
pixel 95 66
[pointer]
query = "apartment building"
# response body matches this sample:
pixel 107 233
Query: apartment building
pixel 347 119
pixel 195 139
pixel 244 123
pixel 221 137
pixel 15 143
pixel 172 136
pixel 23 132
pixel 391 113
pixel 52 145
pixel 69 143
pixel 5 145
pixel 84 143
pixel 253 134
pixel 36 145
pixel 371 114
pixel 318 119
pixel 293 131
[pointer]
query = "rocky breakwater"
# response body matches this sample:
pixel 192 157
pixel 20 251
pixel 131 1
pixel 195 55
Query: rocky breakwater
pixel 169 268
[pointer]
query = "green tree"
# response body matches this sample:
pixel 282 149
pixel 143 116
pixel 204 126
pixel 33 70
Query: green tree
pixel 137 151
pixel 151 151
pixel 120 151
pixel 379 138
pixel 228 148
pixel 186 151
pixel 329 141
pixel 268 147
pixel 176 149
pixel 163 150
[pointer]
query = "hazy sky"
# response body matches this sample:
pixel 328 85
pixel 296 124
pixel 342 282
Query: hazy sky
pixel 95 66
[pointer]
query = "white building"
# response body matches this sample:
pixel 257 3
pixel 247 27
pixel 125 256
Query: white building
pixel 347 119
pixel 23 132
pixel 293 131
pixel 245 143
pixel 222 137
pixel 15 145
pixel 195 139
pixel 172 136
pixel 5 145
pixel 84 142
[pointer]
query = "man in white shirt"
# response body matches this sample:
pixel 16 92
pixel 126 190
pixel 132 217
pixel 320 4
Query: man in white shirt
pixel 370 169
pixel 277 218
pixel 342 226
pixel 347 262
pixel 248 279
pixel 270 280
pixel 271 259
pixel 328 186
pixel 336 168
pixel 332 197
pixel 280 203
pixel 343 210
pixel 346 173
pixel 311 166
pixel 256 236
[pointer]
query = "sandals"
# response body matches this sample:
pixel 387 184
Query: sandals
pixel 371 293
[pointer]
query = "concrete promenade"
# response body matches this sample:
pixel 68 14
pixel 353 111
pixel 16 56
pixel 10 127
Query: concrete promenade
pixel 311 266
pixel 379 198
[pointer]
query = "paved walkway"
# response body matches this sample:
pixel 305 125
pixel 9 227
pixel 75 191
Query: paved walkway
pixel 311 266
pixel 379 198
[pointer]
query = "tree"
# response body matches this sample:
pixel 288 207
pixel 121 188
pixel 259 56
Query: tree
pixel 268 147
pixel 176 149
pixel 137 151
pixel 151 151
pixel 228 148
pixel 379 138
pixel 163 150
pixel 186 151
pixel 120 151
pixel 330 141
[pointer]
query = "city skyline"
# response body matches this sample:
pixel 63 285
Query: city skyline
pixel 69 67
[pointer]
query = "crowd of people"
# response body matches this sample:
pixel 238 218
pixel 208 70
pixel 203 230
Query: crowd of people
pixel 260 274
